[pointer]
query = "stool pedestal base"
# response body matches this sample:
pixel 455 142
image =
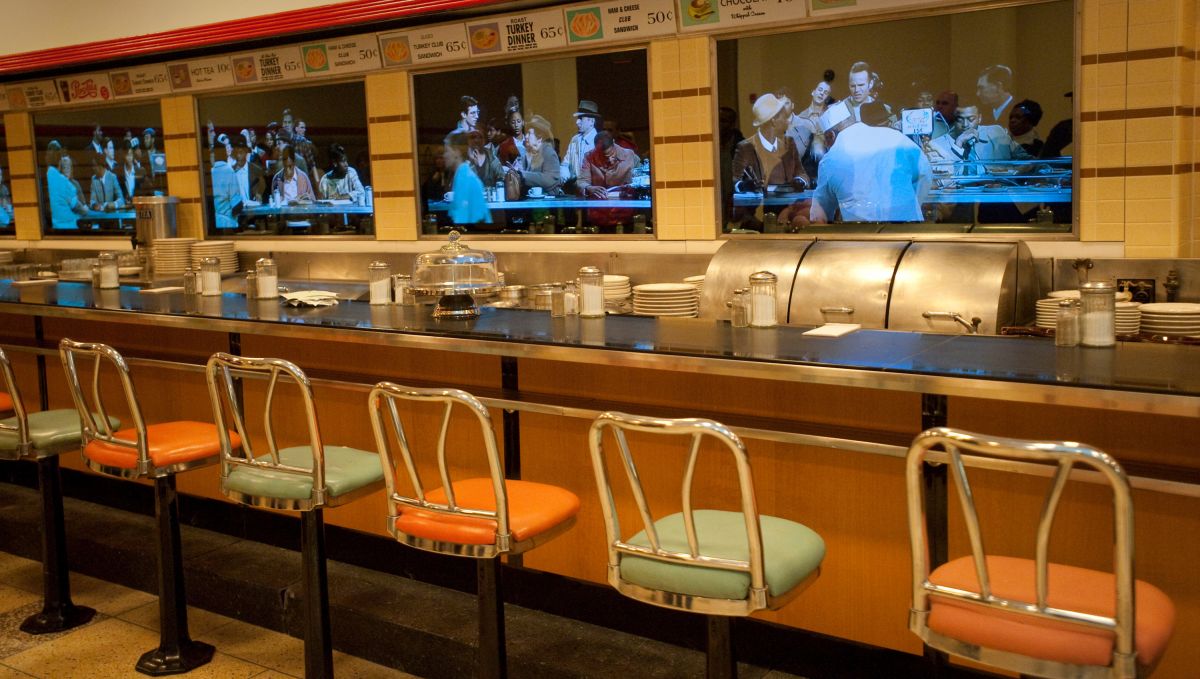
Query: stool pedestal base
pixel 58 613
pixel 721 663
pixel 184 657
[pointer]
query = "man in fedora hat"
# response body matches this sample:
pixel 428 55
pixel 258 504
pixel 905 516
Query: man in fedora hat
pixel 587 118
pixel 768 157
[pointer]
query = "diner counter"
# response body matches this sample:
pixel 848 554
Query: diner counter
pixel 1137 377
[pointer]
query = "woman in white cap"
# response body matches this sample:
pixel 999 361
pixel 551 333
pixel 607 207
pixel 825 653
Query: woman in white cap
pixel 769 157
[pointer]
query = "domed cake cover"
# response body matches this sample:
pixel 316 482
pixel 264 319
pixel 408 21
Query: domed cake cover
pixel 454 267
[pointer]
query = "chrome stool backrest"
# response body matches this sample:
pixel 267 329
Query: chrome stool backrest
pixel 386 394
pixel 697 430
pixel 960 449
pixel 21 428
pixel 90 404
pixel 220 373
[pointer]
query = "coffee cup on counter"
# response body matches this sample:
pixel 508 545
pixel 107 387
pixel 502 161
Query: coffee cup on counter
pixel 535 192
pixel 449 196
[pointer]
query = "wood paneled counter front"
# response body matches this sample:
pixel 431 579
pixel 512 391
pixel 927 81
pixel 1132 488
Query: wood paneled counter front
pixel 826 422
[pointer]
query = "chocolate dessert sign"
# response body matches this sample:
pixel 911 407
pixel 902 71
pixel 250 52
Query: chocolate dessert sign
pixel 707 15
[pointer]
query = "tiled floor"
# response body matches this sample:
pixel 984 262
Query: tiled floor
pixel 126 624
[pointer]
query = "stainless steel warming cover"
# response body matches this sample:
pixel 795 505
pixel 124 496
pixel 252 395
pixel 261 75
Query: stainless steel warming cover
pixel 895 284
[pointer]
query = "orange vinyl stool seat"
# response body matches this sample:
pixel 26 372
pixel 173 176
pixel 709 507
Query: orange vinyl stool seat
pixel 1071 588
pixel 533 509
pixel 168 444
pixel 6 403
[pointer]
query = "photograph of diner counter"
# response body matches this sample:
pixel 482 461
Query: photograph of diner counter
pixel 808 407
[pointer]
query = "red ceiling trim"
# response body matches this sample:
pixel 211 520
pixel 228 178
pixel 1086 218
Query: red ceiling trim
pixel 228 32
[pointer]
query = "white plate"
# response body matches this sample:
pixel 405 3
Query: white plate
pixel 615 279
pixel 1172 308
pixel 665 287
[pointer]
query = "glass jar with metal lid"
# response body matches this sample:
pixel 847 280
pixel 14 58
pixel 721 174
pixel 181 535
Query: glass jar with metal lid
pixel 762 300
pixel 1098 304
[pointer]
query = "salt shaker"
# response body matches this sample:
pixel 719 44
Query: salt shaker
pixel 268 278
pixel 570 299
pixel 210 273
pixel 108 271
pixel 762 300
pixel 591 293
pixel 379 281
pixel 191 282
pixel 1099 314
pixel 402 289
pixel 1066 329
pixel 739 308
pixel 558 303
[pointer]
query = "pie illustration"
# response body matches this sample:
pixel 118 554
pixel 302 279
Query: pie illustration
pixel 180 77
pixel 700 9
pixel 396 50
pixel 485 38
pixel 585 25
pixel 121 84
pixel 315 58
pixel 16 98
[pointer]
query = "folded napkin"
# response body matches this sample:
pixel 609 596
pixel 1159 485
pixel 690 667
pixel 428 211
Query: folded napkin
pixel 834 329
pixel 312 298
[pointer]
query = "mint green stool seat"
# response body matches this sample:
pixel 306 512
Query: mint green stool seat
pixel 50 432
pixel 346 470
pixel 792 552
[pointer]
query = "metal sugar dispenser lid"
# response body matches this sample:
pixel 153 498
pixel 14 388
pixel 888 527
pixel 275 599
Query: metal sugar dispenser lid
pixel 457 274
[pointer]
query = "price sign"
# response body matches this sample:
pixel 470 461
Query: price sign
pixel 428 45
pixel 39 94
pixel 702 15
pixel 345 55
pixel 621 20
pixel 202 74
pixel 80 89
pixel 517 33
pixel 269 66
pixel 141 81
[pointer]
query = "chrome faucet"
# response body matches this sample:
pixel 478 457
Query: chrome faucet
pixel 1082 265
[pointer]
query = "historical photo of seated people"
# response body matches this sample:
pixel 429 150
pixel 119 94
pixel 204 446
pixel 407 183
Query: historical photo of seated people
pixel 287 162
pixel 959 123
pixel 554 146
pixel 92 163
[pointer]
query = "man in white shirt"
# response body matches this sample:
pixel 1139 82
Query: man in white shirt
pixel 871 173
pixel 586 119
pixel 993 91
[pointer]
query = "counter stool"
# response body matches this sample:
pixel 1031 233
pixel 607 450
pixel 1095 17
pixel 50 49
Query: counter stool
pixel 158 452
pixel 718 563
pixel 480 518
pixel 300 478
pixel 41 437
pixel 1032 616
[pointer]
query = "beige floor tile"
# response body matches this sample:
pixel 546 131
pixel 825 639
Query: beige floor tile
pixel 265 647
pixel 200 621
pixel 11 597
pixel 10 673
pixel 110 649
pixel 21 573
pixel 106 597
pixel 269 674
pixel 13 640
pixel 352 667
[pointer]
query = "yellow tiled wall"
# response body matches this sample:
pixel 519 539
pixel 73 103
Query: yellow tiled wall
pixel 389 118
pixel 681 114
pixel 183 163
pixel 22 173
pixel 1137 100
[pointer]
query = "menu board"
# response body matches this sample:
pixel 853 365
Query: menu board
pixel 86 88
pixel 268 66
pixel 517 34
pixel 344 55
pixel 620 20
pixel 824 7
pixel 33 95
pixel 429 45
pixel 202 74
pixel 706 15
pixel 140 81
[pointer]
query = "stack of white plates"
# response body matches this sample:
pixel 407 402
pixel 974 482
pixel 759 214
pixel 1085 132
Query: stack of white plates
pixel 6 256
pixel 697 281
pixel 1120 295
pixel 1172 319
pixel 616 289
pixel 1047 312
pixel 172 256
pixel 221 249
pixel 1129 318
pixel 666 299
